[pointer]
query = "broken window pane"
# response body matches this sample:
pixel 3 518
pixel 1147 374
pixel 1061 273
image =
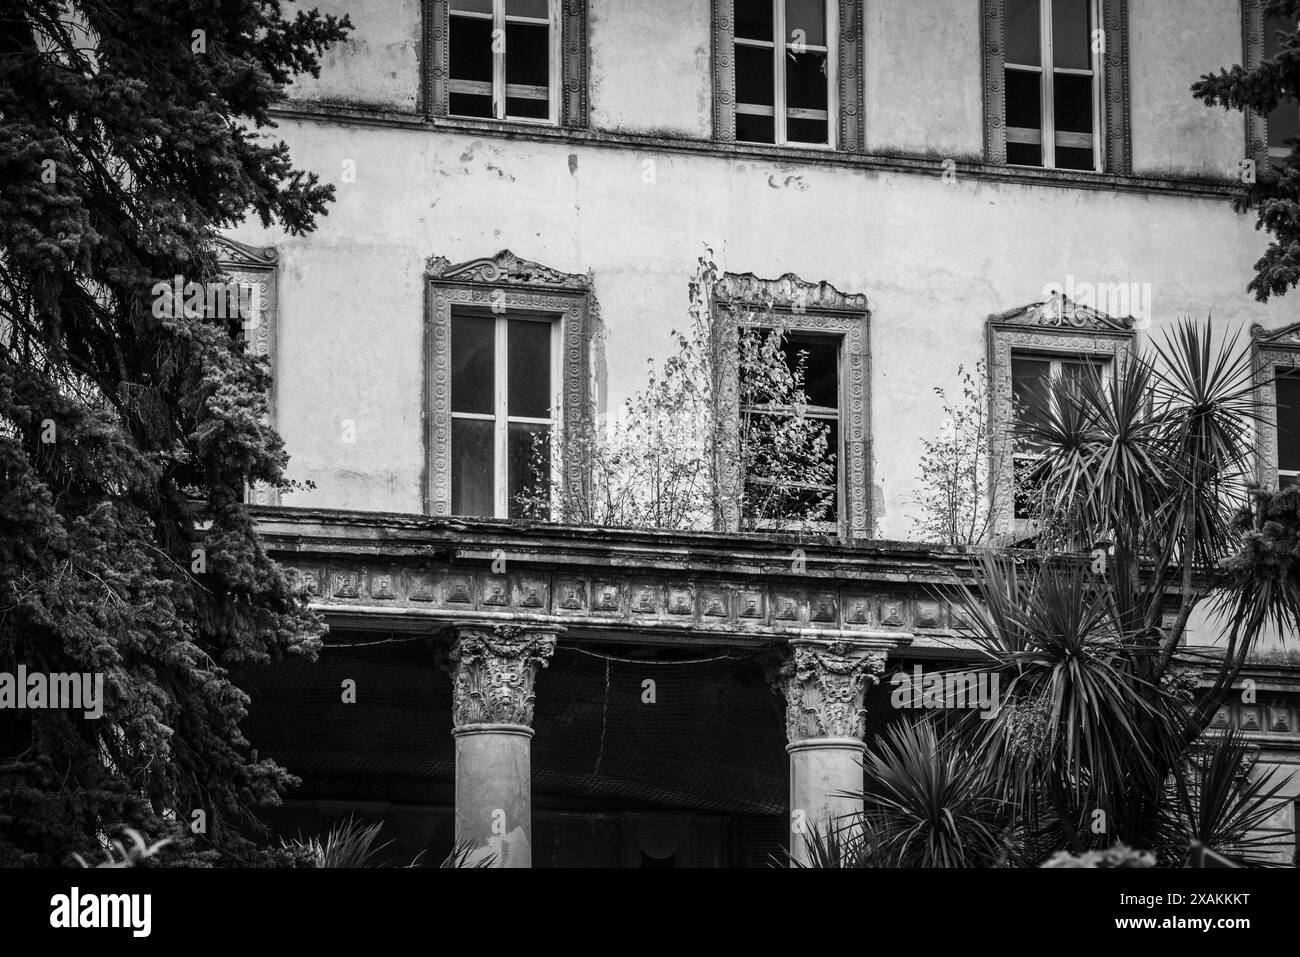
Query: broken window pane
pixel 1071 35
pixel 1075 158
pixel 1024 41
pixel 472 6
pixel 820 359
pixel 1024 154
pixel 806 81
pixel 473 364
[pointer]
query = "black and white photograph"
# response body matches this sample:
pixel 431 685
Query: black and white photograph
pixel 775 435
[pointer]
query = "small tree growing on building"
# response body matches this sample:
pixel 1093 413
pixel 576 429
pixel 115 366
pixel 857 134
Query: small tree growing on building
pixel 664 460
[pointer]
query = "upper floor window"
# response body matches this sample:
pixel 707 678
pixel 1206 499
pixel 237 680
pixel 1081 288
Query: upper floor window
pixel 502 59
pixel 1036 397
pixel 784 71
pixel 1053 89
pixel 1056 84
pixel 793 376
pixel 788 72
pixel 503 409
pixel 790 428
pixel 1030 349
pixel 1284 120
pixel 507 367
pixel 513 60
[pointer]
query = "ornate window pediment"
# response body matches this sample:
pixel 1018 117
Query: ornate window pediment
pixel 488 294
pixel 1057 328
pixel 1276 358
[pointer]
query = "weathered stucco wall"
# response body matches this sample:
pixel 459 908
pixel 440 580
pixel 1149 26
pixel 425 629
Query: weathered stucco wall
pixel 651 67
pixel 924 77
pixel 1170 47
pixel 379 65
pixel 934 260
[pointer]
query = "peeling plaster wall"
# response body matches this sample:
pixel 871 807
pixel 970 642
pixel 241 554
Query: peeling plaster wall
pixel 378 66
pixel 651 66
pixel 933 259
pixel 1168 52
pixel 931 103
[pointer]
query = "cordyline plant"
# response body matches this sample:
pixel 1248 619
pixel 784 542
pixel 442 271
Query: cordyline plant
pixel 666 460
pixel 1141 493
pixel 129 140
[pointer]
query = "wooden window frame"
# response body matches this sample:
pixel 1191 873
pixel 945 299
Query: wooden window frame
pixel 568 66
pixel 845 82
pixel 500 415
pixel 1112 147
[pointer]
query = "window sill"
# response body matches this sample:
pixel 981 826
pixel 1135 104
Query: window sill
pixel 932 166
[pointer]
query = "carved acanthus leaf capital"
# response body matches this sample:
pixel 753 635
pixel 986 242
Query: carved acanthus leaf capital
pixel 493 673
pixel 824 687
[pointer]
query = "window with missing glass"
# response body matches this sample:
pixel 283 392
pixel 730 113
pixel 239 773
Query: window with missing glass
pixel 509 60
pixel 1056 84
pixel 790 427
pixel 788 72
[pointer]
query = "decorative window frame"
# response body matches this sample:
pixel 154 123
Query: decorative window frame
pixel 802 307
pixel 1116 124
pixel 1057 326
pixel 503 281
pixel 1269 352
pixel 572 67
pixel 1252 31
pixel 848 127
pixel 257 266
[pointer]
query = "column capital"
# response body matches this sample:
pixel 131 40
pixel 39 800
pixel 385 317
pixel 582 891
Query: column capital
pixel 824 684
pixel 493 669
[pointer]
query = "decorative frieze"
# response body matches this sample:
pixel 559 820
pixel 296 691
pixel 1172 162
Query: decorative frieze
pixel 703 603
pixel 494 668
pixel 824 685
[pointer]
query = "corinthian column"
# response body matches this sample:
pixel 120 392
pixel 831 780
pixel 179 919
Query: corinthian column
pixel 493 672
pixel 824 685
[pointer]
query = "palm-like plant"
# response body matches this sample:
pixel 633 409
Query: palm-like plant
pixel 1219 800
pixel 929 803
pixel 1143 475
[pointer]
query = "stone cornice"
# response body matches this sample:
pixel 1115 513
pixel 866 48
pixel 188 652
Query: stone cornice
pixel 1064 314
pixel 233 253
pixel 930 166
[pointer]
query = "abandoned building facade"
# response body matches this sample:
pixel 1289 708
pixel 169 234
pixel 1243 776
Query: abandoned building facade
pixel 525 189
